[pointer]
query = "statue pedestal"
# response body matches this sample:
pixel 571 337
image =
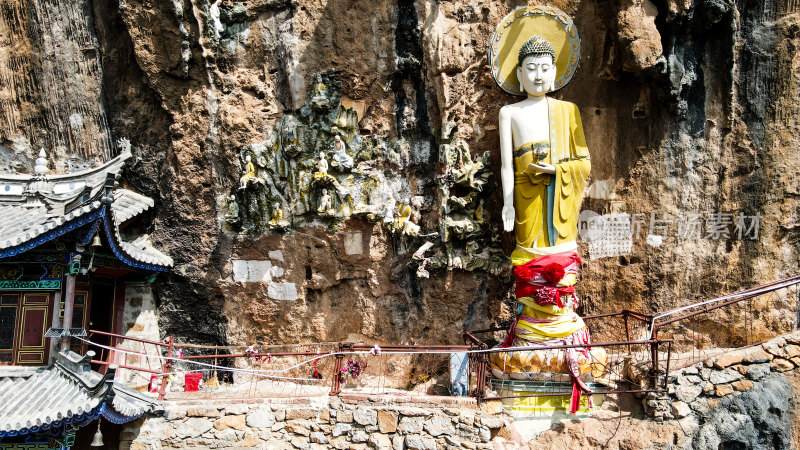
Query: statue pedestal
pixel 534 415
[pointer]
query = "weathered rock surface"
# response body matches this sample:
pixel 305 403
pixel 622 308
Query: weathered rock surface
pixel 191 83
pixel 758 418
pixel 690 107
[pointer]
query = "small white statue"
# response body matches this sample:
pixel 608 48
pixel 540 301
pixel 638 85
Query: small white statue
pixel 320 97
pixel 233 206
pixel 277 220
pixel 322 167
pixel 416 206
pixel 403 221
pixel 324 203
pixel 388 210
pixel 290 130
pixel 250 173
pixel 232 210
pixel 340 157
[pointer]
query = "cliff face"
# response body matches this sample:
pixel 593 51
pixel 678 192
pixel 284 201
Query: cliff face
pixel 689 108
pixel 51 89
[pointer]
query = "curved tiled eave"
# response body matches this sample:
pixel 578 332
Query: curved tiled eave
pixel 49 230
pixel 145 257
pixel 139 253
pixel 46 400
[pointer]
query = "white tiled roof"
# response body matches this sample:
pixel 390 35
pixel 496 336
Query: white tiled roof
pixel 38 208
pixel 128 204
pixel 66 390
pixel 21 223
pixel 142 250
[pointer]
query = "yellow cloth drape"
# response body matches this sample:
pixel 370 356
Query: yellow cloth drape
pixel 570 156
pixel 566 322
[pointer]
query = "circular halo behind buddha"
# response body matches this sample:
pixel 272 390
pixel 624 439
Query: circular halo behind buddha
pixel 552 24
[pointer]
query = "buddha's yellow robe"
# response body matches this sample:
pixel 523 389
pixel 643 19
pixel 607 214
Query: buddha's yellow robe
pixel 547 206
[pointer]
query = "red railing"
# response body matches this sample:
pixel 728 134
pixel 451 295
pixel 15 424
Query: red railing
pixel 632 340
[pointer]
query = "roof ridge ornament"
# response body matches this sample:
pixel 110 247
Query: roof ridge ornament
pixel 41 169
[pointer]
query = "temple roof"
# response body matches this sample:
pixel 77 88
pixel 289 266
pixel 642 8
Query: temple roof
pixel 66 392
pixel 35 209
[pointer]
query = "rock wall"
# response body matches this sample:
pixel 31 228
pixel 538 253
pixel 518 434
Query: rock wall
pixel 321 423
pixel 689 110
pixel 51 86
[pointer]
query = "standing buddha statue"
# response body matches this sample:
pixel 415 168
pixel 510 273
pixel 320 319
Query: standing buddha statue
pixel 544 169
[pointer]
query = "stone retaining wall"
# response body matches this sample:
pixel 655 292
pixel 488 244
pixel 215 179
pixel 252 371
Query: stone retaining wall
pixel 350 423
pixel 740 399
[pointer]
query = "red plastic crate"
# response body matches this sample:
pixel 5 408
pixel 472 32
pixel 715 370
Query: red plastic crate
pixel 192 381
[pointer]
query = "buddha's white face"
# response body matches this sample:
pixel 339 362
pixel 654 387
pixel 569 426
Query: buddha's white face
pixel 537 75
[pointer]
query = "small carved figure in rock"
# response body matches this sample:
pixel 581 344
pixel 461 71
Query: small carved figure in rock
pixel 290 147
pixel 388 210
pixel 340 158
pixel 403 213
pixel 250 173
pixel 322 167
pixel 416 206
pixel 422 272
pixel 408 119
pixel 461 227
pixel 277 220
pixel 465 173
pixel 325 203
pixel 290 131
pixel 320 97
pixel 402 222
pixel 232 211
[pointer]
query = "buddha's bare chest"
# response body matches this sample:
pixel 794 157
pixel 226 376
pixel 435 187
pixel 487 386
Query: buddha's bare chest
pixel 530 124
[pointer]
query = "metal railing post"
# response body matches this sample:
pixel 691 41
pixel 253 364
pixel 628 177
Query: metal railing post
pixel 654 358
pixel 627 329
pixel 669 356
pixel 336 379
pixel 162 390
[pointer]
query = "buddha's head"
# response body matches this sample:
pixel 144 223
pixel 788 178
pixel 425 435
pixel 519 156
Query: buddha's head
pixel 537 70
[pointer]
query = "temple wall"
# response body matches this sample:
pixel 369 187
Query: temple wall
pixel 140 320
